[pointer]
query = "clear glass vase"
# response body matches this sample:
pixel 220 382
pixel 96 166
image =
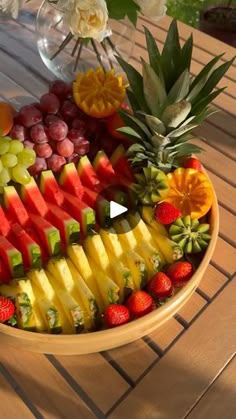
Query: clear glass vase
pixel 66 61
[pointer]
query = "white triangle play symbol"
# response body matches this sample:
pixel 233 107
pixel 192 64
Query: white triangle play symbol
pixel 116 209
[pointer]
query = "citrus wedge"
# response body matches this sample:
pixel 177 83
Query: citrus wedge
pixel 190 191
pixel 6 118
pixel 99 94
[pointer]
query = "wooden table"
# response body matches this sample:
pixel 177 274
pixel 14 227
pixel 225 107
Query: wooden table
pixel 188 367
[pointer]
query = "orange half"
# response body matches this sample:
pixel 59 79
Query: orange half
pixel 190 191
pixel 99 94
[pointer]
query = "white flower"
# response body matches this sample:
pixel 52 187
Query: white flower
pixel 88 19
pixel 154 9
pixel 10 6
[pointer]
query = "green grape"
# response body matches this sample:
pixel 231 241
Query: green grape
pixel 4 176
pixel 4 145
pixel 9 160
pixel 1 166
pixel 20 174
pixel 16 147
pixel 26 157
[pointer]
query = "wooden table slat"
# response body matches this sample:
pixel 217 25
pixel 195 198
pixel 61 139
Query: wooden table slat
pixel 183 375
pixel 166 334
pixel 12 406
pixel 192 307
pixel 213 280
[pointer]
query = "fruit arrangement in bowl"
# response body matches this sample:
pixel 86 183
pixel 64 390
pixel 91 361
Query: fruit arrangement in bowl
pixel 67 267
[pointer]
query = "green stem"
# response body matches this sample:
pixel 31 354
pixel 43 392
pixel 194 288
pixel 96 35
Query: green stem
pixel 98 55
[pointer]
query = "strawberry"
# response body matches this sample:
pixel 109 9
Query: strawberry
pixel 140 303
pixel 192 163
pixel 116 315
pixel 166 213
pixel 180 273
pixel 160 286
pixel 7 309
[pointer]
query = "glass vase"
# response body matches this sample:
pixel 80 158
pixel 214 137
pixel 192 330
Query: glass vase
pixel 61 52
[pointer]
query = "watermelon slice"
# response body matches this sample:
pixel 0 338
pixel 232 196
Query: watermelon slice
pixel 33 198
pixel 88 175
pixel 103 168
pixel 11 257
pixel 5 275
pixel 5 226
pixel 14 205
pixel 81 212
pixel 99 204
pixel 121 164
pixel 69 228
pixel 70 181
pixel 29 249
pixel 50 188
pixel 49 235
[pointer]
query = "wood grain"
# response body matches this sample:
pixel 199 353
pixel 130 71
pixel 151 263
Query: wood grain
pixel 220 400
pixel 192 308
pixel 188 369
pixel 225 256
pixel 215 137
pixel 212 281
pixel 12 407
pixel 227 225
pixel 166 334
pixel 44 386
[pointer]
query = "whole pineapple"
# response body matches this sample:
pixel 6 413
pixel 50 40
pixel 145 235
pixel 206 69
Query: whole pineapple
pixel 167 103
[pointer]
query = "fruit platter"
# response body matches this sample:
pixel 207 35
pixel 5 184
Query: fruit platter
pixel 73 278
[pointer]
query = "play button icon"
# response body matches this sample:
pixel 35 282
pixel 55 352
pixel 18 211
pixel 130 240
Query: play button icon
pixel 116 209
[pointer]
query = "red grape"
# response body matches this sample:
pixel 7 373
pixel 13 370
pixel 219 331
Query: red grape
pixel 28 144
pixel 75 134
pixel 69 110
pixel 29 116
pixel 50 103
pixel 49 119
pixel 55 162
pixel 60 89
pixel 74 158
pixel 65 148
pixel 36 105
pixel 39 165
pixel 43 150
pixel 58 130
pixel 79 124
pixel 18 132
pixel 38 134
pixel 81 146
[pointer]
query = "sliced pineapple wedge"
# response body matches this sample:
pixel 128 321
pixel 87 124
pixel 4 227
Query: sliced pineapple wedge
pixel 128 257
pixel 95 249
pixel 78 257
pixel 40 281
pixel 171 250
pixel 60 270
pixel 109 290
pixel 147 214
pixel 126 235
pixel 48 310
pixel 24 286
pixel 73 310
pixel 24 312
pixel 86 295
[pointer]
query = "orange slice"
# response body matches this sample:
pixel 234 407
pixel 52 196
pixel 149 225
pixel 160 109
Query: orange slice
pixel 99 94
pixel 6 118
pixel 190 191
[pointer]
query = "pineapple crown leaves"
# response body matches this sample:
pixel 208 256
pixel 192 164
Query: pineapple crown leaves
pixel 167 103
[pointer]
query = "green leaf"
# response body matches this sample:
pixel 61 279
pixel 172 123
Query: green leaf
pixel 182 130
pixel 134 123
pixel 132 101
pixel 154 55
pixel 180 89
pixel 155 124
pixel 136 83
pixel 202 103
pixel 119 9
pixel 130 132
pixel 154 91
pixel 175 114
pixel 189 149
pixel 206 71
pixel 133 149
pixel 171 56
pixel 186 55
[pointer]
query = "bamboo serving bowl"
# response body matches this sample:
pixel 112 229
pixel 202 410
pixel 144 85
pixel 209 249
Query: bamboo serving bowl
pixel 112 338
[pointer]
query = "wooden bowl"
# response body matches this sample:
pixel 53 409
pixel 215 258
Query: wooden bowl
pixel 112 338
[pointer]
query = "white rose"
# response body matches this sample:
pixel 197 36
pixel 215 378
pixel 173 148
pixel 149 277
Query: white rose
pixel 88 19
pixel 10 6
pixel 155 9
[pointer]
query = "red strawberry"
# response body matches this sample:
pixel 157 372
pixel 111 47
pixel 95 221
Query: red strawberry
pixel 180 273
pixel 140 303
pixel 192 163
pixel 166 213
pixel 7 309
pixel 160 286
pixel 116 315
